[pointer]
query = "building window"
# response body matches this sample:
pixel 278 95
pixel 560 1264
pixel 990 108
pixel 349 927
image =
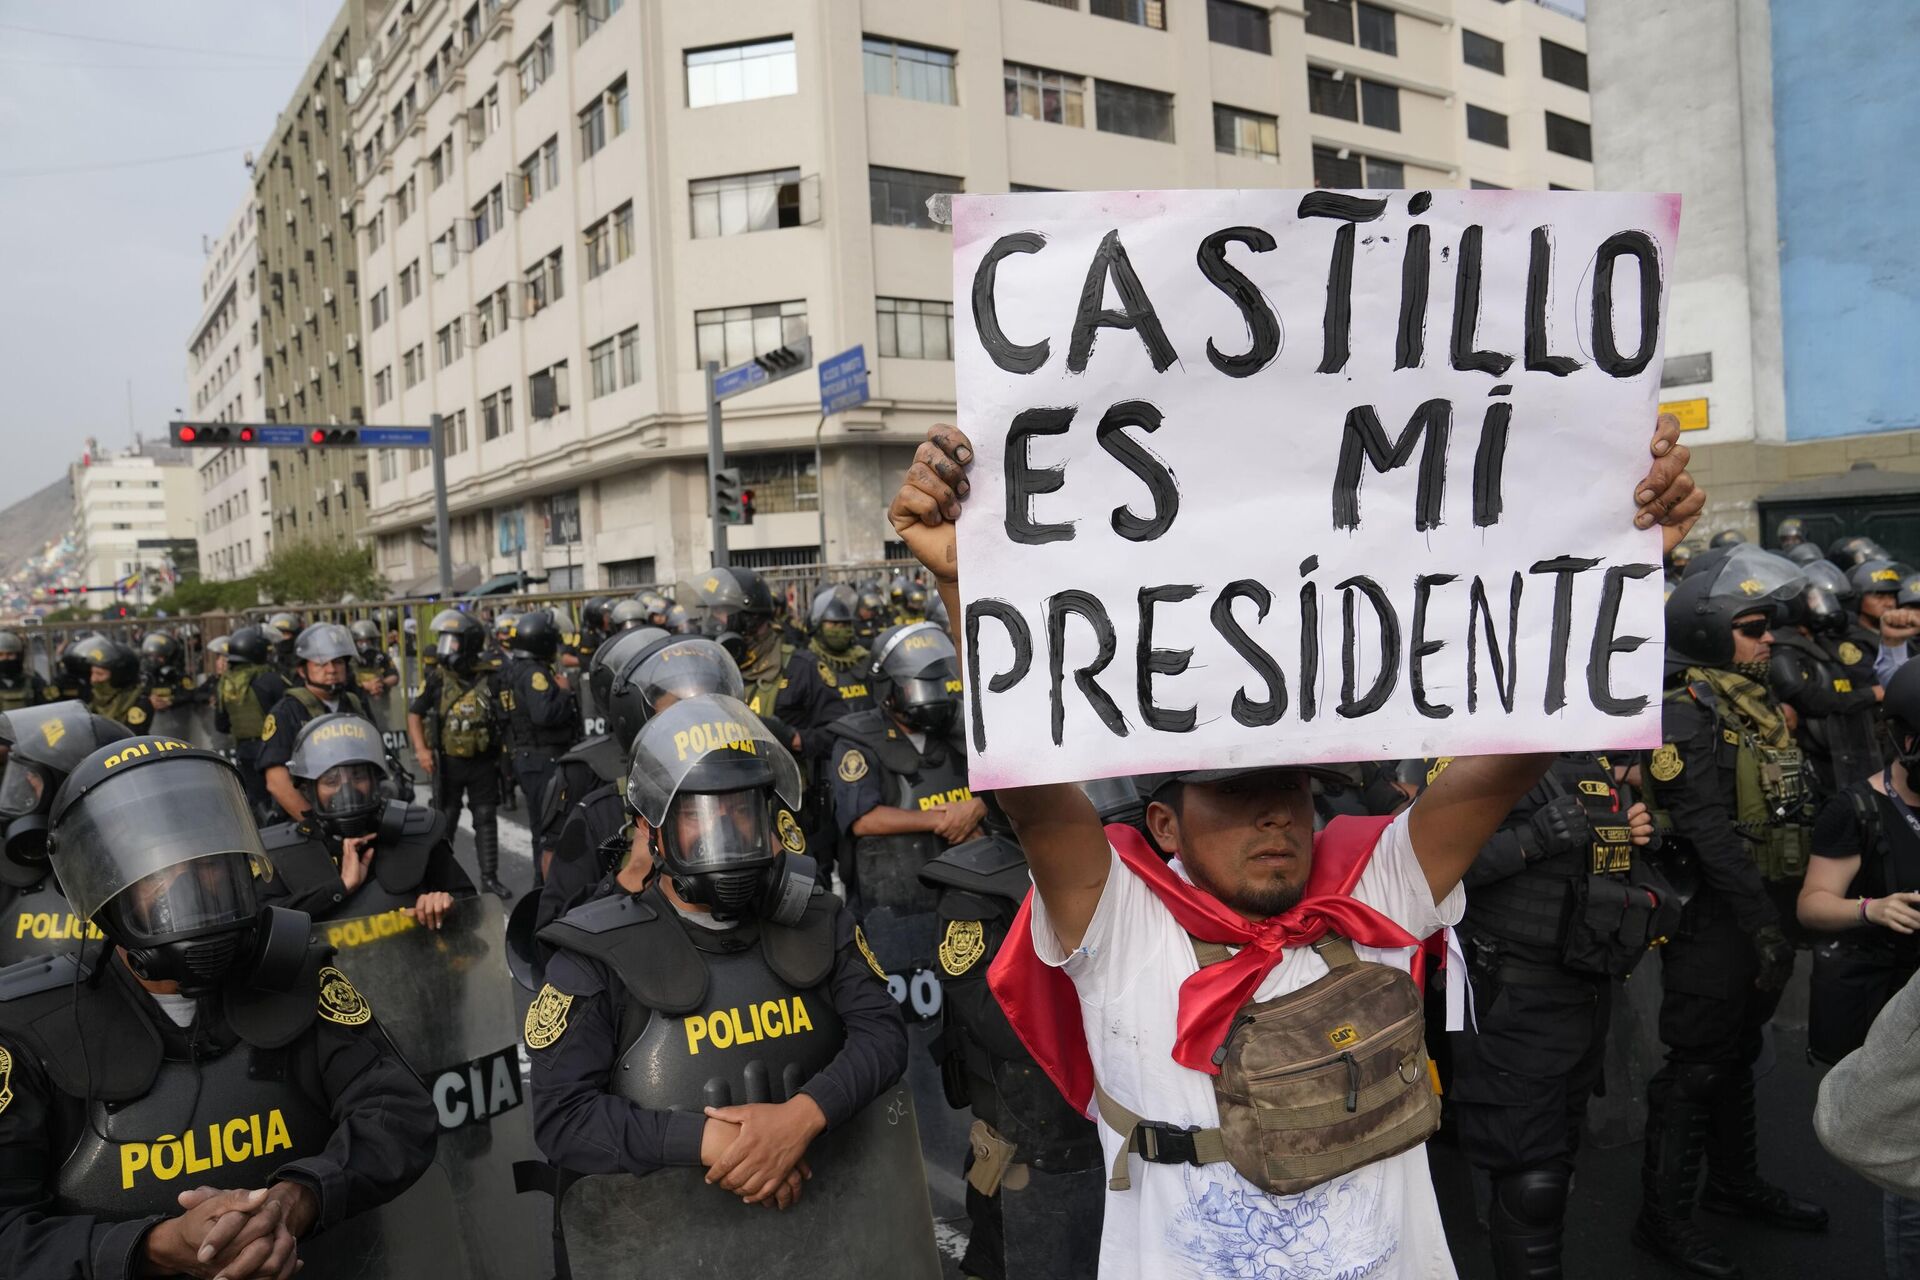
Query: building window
pixel 1062 4
pixel 457 439
pixel 1051 96
pixel 1376 27
pixel 404 201
pixel 409 282
pixel 1478 185
pixel 628 574
pixel 1330 169
pixel 912 329
pixel 598 242
pixel 600 369
pixel 540 172
pixel 594 15
pixel 448 344
pixel 536 64
pixel 496 414
pixel 604 120
pixel 1141 13
pixel 1569 137
pixel 382 385
pixel 490 320
pixel 1349 97
pixel 413 366
pixel 1380 105
pixel 377 231
pixel 630 356
pixel 546 284
pixel 378 309
pixel 489 216
pixel 898 70
pixel 623 232
pixel 745 202
pixel 1369 26
pixel 729 335
pixel 440 163
pixel 1251 134
pixel 1567 66
pixel 1136 112
pixel 899 196
pixel 1244 26
pixel 741 73
pixel 563 518
pixel 1483 52
pixel 1486 126
pixel 483 118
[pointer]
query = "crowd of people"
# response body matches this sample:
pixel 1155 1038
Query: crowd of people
pixel 1197 1023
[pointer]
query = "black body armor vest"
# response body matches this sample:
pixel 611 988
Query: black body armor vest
pixel 305 863
pixel 37 921
pixel 524 732
pixel 886 869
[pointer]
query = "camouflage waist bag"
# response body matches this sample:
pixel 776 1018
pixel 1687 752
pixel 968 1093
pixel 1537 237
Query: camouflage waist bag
pixel 1312 1084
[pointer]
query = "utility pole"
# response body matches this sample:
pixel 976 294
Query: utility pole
pixel 716 459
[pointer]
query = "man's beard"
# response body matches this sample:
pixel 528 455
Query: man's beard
pixel 1256 904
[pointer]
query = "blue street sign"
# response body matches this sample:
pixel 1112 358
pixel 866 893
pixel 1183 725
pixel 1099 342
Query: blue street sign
pixel 742 377
pixel 843 381
pixel 397 437
pixel 770 366
pixel 281 435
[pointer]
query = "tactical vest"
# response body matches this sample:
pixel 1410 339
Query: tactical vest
pixel 983 1064
pixel 842 673
pixel 119 703
pixel 1846 745
pixel 351 701
pixel 14 696
pixel 522 732
pixel 37 921
pixel 886 869
pixel 466 721
pixel 764 692
pixel 156 1127
pixel 244 713
pixel 1772 806
pixel 303 862
pixel 711 1018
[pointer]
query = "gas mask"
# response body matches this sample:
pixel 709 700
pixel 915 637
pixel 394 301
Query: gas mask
pixel 720 851
pixel 26 793
pixel 196 924
pixel 926 705
pixel 346 800
pixel 836 637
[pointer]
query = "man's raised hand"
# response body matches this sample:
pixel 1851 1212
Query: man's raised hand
pixel 1667 495
pixel 929 500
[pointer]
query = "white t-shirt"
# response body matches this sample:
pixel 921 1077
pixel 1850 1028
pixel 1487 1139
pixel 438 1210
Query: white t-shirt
pixel 1182 1222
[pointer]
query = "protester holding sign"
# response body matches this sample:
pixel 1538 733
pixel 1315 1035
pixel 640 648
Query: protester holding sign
pixel 1150 1028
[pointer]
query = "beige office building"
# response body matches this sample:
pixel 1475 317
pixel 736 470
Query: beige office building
pixel 226 383
pixel 564 209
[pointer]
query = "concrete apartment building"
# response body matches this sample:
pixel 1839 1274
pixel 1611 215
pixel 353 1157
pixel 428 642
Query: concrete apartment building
pixel 310 306
pixel 226 382
pixel 1793 311
pixel 134 520
pixel 563 209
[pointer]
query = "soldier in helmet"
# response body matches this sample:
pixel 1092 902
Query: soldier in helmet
pixel 118 691
pixel 1827 680
pixel 1736 789
pixel 792 691
pixel 282 629
pixel 1790 533
pixel 163 665
pixel 373 665
pixel 248 687
pixel 356 853
pixel 630 1036
pixel 325 651
pixel 203 1037
pixel 464 758
pixel 1726 538
pixel 593 632
pixel 1857 549
pixel 19 686
pixel 870 615
pixel 44 744
pixel 627 615
pixel 72 673
pixel 1883 627
pixel 541 715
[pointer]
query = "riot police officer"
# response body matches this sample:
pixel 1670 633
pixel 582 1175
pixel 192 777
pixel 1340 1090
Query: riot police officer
pixel 464 761
pixel 541 715
pixel 44 745
pixel 592 634
pixel 118 693
pixel 1790 533
pixel 913 606
pixel 1035 1181
pixel 1827 681
pixel 163 666
pixel 247 688
pixel 1726 538
pixel 830 619
pixel 72 673
pixel 1562 903
pixel 282 629
pixel 1804 553
pixel 19 687
pixel 1735 788
pixel 722 1012
pixel 869 615
pixel 785 687
pixel 1882 627
pixel 900 796
pixel 1855 550
pixel 325 652
pixel 628 615
pixel 357 853
pixel 205 1037
pixel 372 663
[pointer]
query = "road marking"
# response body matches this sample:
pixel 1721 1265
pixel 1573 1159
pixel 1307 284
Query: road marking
pixel 950 1240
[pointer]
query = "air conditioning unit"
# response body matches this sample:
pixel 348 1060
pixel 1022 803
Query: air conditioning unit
pixel 320 168
pixel 353 342
pixel 326 295
pixel 289 214
pixel 346 206
pixel 313 373
pixel 476 125
pixel 333 361
pixel 441 256
pixel 304 197
pixel 283 399
pixel 516 190
pixel 326 231
pixel 338 488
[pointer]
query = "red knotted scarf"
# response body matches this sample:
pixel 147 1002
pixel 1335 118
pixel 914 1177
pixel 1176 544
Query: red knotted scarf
pixel 1040 1002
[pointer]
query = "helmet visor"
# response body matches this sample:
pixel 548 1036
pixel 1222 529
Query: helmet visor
pixel 200 893
pixel 23 787
pixel 1749 575
pixel 685 669
pixel 710 743
pixel 725 831
pixel 449 645
pixel 148 820
pixel 347 790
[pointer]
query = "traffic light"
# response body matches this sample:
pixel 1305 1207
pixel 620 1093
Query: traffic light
pixel 782 360
pixel 727 495
pixel 348 437
pixel 746 506
pixel 215 435
pixel 288 435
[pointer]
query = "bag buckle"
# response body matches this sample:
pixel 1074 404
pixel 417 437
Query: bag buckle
pixel 1163 1143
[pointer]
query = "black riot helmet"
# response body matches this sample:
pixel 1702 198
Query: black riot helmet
pixel 46 743
pixel 1909 591
pixel 613 655
pixel 1877 577
pixel 916 602
pixel 914 672
pixel 897 589
pixel 1726 538
pixel 458 638
pixel 160 652
pixel 249 644
pixel 834 602
pixel 152 840
pixel 1857 549
pixel 1828 603
pixel 1701 610
pixel 367 639
pixel 728 600
pixel 1118 800
pixel 537 634
pixel 219 646
pixel 1790 533
pixel 870 616
pixel 705 777
pixel 593 616
pixel 628 615
pixel 282 629
pixel 668 670
pixel 13 654
pixel 681 622
pixel 339 762
pixel 1901 707
pixel 1678 558
pixel 75 666
pixel 119 661
pixel 656 607
pixel 1804 553
pixel 325 642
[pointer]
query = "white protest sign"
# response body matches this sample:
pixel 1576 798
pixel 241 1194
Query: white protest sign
pixel 1271 477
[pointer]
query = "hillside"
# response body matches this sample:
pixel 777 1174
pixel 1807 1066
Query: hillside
pixel 29 524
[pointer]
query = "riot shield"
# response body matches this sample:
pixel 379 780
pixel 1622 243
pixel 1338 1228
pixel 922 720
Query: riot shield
pixel 445 1001
pixel 593 718
pixel 193 722
pixel 390 717
pixel 417 1233
pixel 523 958
pixel 864 1214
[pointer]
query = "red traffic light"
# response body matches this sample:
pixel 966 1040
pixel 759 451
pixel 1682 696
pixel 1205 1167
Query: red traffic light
pixel 187 435
pixel 317 436
pixel 246 435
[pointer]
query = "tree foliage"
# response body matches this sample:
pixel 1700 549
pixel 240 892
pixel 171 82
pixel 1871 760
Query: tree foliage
pixel 320 573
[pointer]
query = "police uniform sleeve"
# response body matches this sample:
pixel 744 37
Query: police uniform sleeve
pixel 1693 799
pixel 384 1125
pixel 856 783
pixel 572 1039
pixel 428 699
pixel 444 873
pixel 874 1056
pixel 809 705
pixel 35 1245
pixel 547 705
pixel 283 723
pixel 269 687
pixel 1792 684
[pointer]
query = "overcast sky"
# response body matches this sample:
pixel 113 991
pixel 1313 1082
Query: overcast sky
pixel 100 233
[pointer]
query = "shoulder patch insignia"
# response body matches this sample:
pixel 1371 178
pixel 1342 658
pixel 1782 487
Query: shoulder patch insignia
pixel 853 765
pixel 826 674
pixel 1437 767
pixel 792 839
pixel 961 949
pixel 267 726
pixel 1849 653
pixel 873 962
pixel 547 1017
pixel 6 1080
pixel 1666 763
pixel 136 716
pixel 340 1002
pixel 539 682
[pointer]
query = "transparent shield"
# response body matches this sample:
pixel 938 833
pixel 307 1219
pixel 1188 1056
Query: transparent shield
pixel 200 893
pixel 685 669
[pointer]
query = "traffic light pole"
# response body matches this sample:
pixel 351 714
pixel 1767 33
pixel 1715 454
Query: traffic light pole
pixel 442 522
pixel 716 459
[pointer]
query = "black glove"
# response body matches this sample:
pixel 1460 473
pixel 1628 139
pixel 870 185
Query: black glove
pixel 1559 826
pixel 1776 958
